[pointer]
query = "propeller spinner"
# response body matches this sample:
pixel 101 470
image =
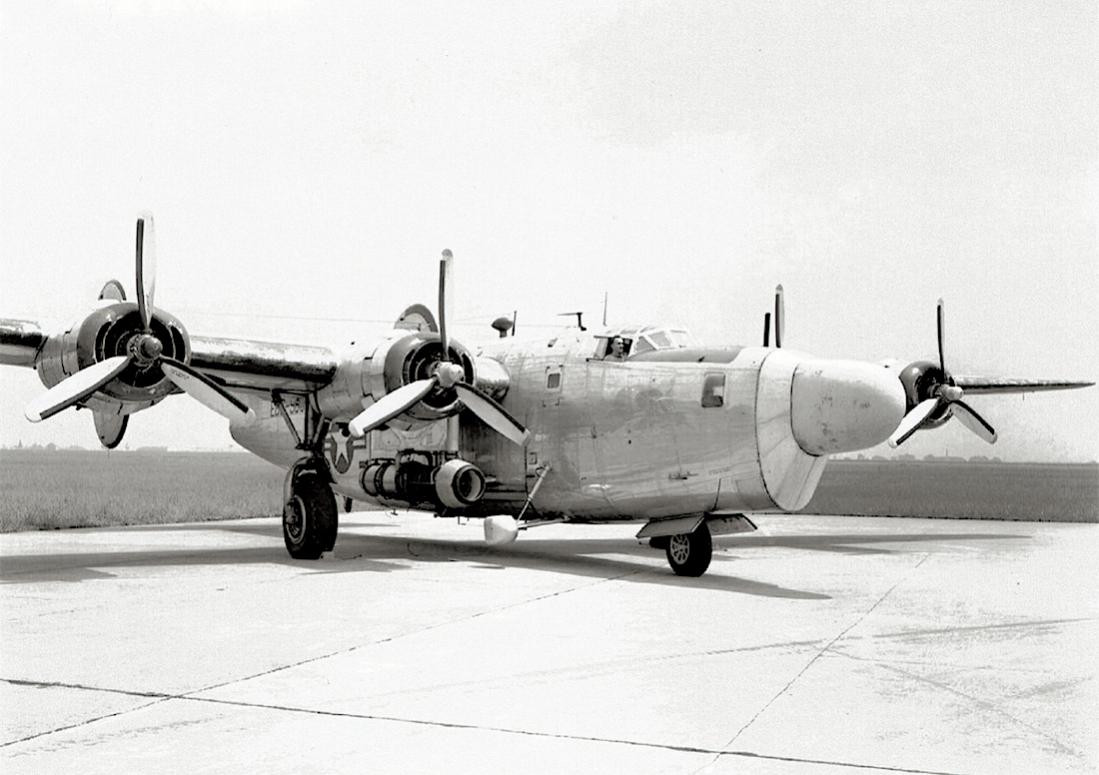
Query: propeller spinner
pixel 143 351
pixel 447 376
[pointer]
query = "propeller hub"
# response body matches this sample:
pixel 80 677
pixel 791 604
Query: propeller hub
pixel 950 393
pixel 449 374
pixel 145 349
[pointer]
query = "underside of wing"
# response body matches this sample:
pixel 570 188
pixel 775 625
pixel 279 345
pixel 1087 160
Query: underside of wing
pixel 1010 385
pixel 250 364
pixel 20 341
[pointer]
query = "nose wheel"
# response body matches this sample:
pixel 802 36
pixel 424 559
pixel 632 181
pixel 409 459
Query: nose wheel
pixel 689 554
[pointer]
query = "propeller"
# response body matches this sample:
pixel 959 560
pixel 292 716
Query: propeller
pixel 76 388
pixel 944 399
pixel 146 269
pixel 144 351
pixel 780 320
pixel 780 315
pixel 447 376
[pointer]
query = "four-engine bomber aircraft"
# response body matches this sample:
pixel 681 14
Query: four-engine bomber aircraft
pixel 630 425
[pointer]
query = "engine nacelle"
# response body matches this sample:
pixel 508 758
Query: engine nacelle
pixel 103 334
pixel 398 360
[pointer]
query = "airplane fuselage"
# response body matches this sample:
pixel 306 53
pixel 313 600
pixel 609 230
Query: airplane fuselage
pixel 615 440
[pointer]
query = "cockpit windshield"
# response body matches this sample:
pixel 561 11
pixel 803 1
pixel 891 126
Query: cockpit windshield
pixel 640 339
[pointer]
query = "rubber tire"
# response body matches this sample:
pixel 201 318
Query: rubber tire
pixel 689 554
pixel 313 500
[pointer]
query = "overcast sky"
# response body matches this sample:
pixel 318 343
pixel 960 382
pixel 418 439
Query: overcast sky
pixel 306 163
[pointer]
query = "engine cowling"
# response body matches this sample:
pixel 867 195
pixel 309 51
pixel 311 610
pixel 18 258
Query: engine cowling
pixel 400 359
pixel 112 330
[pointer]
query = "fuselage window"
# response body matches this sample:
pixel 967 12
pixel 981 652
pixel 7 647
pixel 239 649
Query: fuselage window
pixel 713 390
pixel 553 380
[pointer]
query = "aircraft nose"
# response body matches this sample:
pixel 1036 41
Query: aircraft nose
pixel 843 406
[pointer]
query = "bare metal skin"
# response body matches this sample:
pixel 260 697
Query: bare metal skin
pixel 633 424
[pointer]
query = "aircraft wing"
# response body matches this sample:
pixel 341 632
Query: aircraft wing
pixel 972 384
pixel 256 365
pixel 234 363
pixel 20 341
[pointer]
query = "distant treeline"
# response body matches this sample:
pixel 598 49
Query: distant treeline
pixel 75 488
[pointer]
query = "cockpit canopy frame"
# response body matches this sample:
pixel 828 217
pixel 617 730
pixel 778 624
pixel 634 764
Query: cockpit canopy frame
pixel 641 339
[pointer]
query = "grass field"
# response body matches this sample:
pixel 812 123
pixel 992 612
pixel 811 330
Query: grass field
pixel 1012 491
pixel 72 488
pixel 51 489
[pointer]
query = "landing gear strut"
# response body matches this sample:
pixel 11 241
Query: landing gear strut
pixel 689 553
pixel 309 516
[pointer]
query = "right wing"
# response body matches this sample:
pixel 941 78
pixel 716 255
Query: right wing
pixel 255 365
pixel 20 341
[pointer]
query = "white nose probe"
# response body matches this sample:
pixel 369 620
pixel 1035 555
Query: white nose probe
pixel 843 406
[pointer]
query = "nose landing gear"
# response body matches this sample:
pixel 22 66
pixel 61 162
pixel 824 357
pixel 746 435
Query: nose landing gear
pixel 689 553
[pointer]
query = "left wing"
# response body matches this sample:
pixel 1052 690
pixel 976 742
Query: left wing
pixel 972 384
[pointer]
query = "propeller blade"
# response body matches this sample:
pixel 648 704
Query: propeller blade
pixel 444 281
pixel 974 421
pixel 492 414
pixel 76 388
pixel 207 392
pixel 766 329
pixel 392 404
pixel 913 420
pixel 940 328
pixel 146 267
pixel 780 316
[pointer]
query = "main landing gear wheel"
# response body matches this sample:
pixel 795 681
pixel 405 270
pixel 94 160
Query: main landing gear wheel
pixel 689 553
pixel 309 519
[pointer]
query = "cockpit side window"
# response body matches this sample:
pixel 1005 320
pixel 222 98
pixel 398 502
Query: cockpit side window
pixel 713 390
pixel 615 348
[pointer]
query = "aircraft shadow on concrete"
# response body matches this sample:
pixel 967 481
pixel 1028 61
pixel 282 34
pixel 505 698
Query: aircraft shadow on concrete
pixel 360 551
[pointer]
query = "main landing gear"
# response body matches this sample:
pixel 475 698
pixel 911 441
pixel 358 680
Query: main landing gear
pixel 309 516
